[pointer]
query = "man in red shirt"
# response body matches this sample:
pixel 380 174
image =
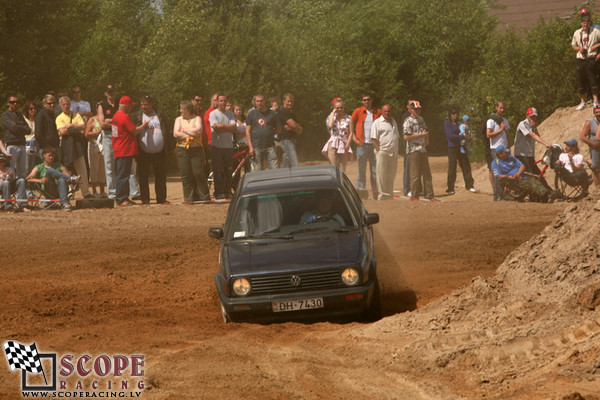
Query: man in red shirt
pixel 125 147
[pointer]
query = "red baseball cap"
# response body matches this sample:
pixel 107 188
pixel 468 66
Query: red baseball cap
pixel 126 100
pixel 531 111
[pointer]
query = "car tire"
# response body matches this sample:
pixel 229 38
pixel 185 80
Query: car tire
pixel 373 313
pixel 225 315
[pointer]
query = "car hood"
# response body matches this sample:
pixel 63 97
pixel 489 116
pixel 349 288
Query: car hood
pixel 285 255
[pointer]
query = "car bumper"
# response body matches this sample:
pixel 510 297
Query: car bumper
pixel 338 302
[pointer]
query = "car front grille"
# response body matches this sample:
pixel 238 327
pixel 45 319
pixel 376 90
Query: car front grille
pixel 289 282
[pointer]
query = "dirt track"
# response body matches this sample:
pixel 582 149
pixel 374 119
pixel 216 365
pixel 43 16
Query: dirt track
pixel 139 280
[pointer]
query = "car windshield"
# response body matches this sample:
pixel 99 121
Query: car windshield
pixel 281 215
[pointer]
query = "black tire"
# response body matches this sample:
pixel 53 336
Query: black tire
pixel 225 314
pixel 94 203
pixel 373 313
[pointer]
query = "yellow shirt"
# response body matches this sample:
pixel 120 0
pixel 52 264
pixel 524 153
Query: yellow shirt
pixel 189 142
pixel 63 119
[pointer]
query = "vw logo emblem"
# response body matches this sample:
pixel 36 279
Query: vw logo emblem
pixel 295 280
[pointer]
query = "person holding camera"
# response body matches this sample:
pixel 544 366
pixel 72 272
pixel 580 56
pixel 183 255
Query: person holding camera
pixel 585 42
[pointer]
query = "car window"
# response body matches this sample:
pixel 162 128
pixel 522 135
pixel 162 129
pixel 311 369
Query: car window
pixel 353 198
pixel 290 213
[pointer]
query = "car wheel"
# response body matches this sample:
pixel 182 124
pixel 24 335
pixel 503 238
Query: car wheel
pixel 373 313
pixel 225 314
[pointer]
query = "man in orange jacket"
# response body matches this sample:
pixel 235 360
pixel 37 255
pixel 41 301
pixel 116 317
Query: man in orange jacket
pixel 362 119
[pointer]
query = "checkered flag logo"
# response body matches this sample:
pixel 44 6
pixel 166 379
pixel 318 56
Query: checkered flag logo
pixel 23 357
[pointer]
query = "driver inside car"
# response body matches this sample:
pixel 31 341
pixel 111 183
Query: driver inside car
pixel 323 209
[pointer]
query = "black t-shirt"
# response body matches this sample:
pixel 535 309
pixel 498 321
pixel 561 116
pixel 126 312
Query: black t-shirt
pixel 108 110
pixel 263 126
pixel 283 116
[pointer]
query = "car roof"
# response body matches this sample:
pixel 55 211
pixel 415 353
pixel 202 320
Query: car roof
pixel 289 179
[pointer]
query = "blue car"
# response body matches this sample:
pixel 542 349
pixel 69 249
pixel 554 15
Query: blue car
pixel 297 243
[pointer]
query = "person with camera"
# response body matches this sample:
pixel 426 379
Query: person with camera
pixel 585 42
pixel 73 144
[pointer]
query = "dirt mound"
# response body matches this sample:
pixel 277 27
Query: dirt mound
pixel 563 124
pixel 530 331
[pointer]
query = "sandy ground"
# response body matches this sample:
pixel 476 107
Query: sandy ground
pixel 140 281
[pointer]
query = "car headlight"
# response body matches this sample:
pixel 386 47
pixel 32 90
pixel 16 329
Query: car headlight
pixel 241 286
pixel 350 277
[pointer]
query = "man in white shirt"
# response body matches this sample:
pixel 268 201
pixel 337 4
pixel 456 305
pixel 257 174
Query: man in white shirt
pixel 497 133
pixel 525 138
pixel 154 143
pixel 78 105
pixel 385 136
pixel 585 42
pixel 573 171
pixel 223 128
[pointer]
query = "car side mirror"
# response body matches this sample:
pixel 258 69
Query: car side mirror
pixel 217 233
pixel 371 218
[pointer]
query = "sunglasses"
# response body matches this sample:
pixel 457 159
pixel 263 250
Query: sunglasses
pixel 13 101
pixel 197 99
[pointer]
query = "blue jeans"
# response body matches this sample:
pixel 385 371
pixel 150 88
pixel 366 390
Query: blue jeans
pixel 290 158
pixel 57 182
pixel 364 154
pixel 19 160
pixel 122 181
pixel 6 187
pixel 262 153
pixel 497 188
pixel 110 168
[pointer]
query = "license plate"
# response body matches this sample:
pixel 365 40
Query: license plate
pixel 296 305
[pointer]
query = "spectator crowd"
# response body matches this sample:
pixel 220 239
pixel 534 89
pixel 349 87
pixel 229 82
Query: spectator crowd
pixel 107 151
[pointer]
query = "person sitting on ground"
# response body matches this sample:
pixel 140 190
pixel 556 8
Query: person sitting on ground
pixel 323 209
pixel 53 182
pixel 7 178
pixel 509 172
pixel 573 171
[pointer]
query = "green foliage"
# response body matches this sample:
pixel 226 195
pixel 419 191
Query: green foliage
pixel 439 52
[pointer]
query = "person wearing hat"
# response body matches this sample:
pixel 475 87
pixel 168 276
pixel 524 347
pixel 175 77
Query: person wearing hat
pixel 105 112
pixel 416 136
pixel 573 171
pixel 509 172
pixel 525 138
pixel 125 148
pixel 7 177
pixel 585 42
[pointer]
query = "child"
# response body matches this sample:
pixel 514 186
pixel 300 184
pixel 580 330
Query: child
pixel 53 181
pixel 465 133
pixel 7 177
